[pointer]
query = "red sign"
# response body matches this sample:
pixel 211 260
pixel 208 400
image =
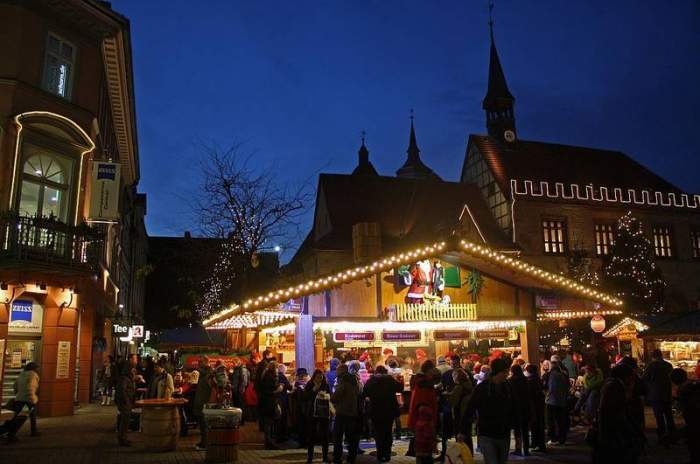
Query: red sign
pixel 492 333
pixel 598 323
pixel 451 334
pixel 353 336
pixel 401 336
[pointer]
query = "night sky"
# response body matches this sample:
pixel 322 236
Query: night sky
pixel 298 81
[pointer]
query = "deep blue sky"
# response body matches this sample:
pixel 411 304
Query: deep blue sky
pixel 298 81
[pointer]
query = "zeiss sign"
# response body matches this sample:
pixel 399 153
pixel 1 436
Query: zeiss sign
pixel 25 317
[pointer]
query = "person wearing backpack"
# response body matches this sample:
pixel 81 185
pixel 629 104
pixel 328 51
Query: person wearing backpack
pixel 381 389
pixel 317 394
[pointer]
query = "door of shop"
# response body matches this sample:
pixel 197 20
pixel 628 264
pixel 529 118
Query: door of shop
pixel 18 352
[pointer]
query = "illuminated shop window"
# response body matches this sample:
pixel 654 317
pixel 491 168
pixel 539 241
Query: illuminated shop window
pixel 604 235
pixel 554 236
pixel 58 66
pixel 662 241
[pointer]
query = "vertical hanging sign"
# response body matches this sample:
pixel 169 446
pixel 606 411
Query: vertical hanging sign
pixel 104 193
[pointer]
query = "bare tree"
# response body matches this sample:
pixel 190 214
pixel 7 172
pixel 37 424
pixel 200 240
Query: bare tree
pixel 252 208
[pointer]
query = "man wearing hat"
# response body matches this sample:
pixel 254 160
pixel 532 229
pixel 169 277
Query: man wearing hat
pixel 492 400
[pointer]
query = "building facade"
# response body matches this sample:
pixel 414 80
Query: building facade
pixel 71 222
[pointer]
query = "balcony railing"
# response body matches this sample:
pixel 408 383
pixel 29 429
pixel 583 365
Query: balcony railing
pixel 432 312
pixel 48 241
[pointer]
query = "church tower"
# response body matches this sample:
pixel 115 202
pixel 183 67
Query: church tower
pixel 498 102
pixel 414 168
pixel 364 165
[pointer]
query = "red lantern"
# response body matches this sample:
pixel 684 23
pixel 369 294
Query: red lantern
pixel 597 323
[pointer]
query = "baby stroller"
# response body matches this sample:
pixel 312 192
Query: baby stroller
pixel 10 427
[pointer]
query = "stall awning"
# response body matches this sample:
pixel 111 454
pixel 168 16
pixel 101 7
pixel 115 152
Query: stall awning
pixel 488 260
pixel 254 319
pixel 625 325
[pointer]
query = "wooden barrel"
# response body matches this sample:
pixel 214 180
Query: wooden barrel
pixel 222 445
pixel 160 426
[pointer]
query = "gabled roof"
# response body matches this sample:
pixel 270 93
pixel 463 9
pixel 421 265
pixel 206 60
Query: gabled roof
pixel 481 257
pixel 409 211
pixel 681 325
pixel 551 162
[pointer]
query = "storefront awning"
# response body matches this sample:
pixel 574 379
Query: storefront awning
pixel 255 319
pixel 500 265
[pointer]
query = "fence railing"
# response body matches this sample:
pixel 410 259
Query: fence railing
pixel 432 312
pixel 49 241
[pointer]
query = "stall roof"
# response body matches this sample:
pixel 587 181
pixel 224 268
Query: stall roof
pixel 683 324
pixel 255 319
pixel 487 260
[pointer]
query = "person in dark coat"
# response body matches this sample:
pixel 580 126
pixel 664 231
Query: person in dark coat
pixel 381 390
pixel 281 424
pixel 331 375
pixel 268 390
pixel 639 391
pixel 124 397
pixel 689 403
pixel 557 402
pixel 459 397
pixel 535 397
pixel 619 438
pixel 521 403
pixel 657 378
pixel 201 397
pixel 316 394
pixel 492 402
pixel 346 399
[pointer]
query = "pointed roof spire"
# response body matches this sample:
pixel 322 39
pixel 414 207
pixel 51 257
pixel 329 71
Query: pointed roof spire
pixel 413 167
pixel 364 166
pixel 498 94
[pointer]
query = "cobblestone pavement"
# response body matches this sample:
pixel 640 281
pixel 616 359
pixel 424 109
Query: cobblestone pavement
pixel 88 437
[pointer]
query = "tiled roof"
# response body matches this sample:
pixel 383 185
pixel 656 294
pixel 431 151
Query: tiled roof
pixel 551 162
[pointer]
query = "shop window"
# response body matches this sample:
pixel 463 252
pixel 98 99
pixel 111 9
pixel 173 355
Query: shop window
pixel 695 242
pixel 554 235
pixel 45 184
pixel 662 241
pixel 604 236
pixel 59 65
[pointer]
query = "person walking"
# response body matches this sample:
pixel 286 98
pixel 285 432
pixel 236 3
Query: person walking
pixel 521 402
pixel 618 438
pixel 162 386
pixel 201 397
pixel 381 390
pixel 107 379
pixel 26 387
pixel 124 397
pixel 657 378
pixel 423 393
pixel 556 400
pixel 459 397
pixel 240 377
pixel 346 399
pixel 492 402
pixel 268 407
pixel 317 394
pixel 300 416
pixel 282 423
pixel 535 397
pixel 590 396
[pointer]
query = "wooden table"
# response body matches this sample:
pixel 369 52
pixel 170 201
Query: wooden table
pixel 160 423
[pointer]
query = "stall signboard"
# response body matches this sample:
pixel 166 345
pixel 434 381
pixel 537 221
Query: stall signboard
pixel 401 336
pixel 492 333
pixel 104 200
pixel 120 330
pixel 25 317
pixel 137 331
pixel 451 335
pixel 63 360
pixel 353 336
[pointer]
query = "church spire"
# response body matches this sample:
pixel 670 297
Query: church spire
pixel 499 102
pixel 364 166
pixel 414 168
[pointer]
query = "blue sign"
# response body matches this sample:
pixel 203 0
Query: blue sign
pixel 106 171
pixel 21 310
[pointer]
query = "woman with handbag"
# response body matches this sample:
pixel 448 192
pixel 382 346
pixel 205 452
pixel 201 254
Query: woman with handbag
pixel 317 395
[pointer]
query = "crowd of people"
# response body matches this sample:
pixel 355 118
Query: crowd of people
pixel 455 407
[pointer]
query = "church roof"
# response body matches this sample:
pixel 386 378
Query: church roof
pixel 568 164
pixel 414 168
pixel 364 165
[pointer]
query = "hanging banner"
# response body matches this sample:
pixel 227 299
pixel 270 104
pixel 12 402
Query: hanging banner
pixel 26 316
pixel 104 193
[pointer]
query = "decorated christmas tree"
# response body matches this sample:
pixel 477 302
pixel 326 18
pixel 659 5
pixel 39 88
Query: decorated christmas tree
pixel 630 270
